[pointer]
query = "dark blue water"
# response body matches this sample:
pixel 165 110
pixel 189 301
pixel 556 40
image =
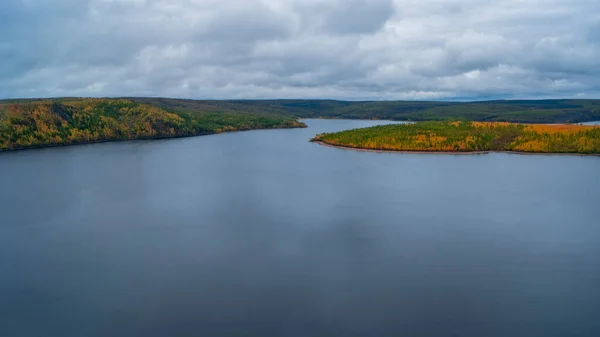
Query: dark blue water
pixel 265 234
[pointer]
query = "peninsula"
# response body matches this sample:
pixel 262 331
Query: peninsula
pixel 465 137
pixel 43 123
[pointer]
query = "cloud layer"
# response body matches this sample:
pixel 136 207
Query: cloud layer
pixel 345 49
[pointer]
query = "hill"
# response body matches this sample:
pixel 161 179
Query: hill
pixel 521 111
pixel 38 123
pixel 26 123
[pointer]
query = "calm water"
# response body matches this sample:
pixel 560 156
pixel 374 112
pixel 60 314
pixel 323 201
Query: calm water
pixel 265 234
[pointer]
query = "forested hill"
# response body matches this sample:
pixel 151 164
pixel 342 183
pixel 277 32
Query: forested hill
pixel 38 123
pixel 46 122
pixel 522 111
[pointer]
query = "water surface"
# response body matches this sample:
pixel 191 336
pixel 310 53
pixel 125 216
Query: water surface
pixel 264 234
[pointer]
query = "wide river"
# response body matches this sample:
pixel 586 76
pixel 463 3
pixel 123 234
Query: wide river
pixel 264 234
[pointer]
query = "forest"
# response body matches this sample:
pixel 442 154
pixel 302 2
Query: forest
pixel 461 136
pixel 518 111
pixel 26 123
pixel 37 123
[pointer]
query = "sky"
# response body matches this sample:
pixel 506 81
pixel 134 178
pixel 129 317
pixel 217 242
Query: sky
pixel 338 49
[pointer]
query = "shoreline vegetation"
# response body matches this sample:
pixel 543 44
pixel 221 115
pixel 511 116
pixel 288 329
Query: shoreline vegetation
pixel 473 153
pixel 461 137
pixel 36 123
pixel 51 123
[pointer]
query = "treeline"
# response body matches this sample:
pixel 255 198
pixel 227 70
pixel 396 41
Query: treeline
pixel 516 111
pixel 519 111
pixel 461 136
pixel 26 124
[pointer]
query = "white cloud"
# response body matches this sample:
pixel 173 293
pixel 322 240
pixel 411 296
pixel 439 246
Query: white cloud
pixel 348 49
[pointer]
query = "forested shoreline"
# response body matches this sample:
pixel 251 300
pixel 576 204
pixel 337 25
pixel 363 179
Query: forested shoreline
pixel 32 123
pixel 45 123
pixel 465 137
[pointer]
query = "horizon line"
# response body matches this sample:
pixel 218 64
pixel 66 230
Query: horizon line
pixel 303 99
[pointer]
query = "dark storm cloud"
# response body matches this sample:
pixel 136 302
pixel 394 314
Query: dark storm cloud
pixel 351 49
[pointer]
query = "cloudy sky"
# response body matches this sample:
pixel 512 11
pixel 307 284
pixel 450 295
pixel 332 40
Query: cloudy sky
pixel 344 49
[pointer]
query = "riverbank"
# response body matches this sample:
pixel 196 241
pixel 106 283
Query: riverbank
pixel 472 153
pixel 469 138
pixel 44 146
pixel 51 123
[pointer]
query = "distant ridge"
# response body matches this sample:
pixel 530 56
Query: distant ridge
pixel 506 110
pixel 522 111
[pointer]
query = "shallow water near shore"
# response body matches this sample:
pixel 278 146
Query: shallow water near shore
pixel 263 233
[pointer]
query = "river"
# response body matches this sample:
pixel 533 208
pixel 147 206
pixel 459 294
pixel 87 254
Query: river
pixel 262 233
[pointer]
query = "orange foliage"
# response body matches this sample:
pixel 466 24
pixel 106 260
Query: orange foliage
pixel 558 128
pixel 472 136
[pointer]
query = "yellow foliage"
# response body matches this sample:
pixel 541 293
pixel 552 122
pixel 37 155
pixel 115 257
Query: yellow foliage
pixel 472 136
